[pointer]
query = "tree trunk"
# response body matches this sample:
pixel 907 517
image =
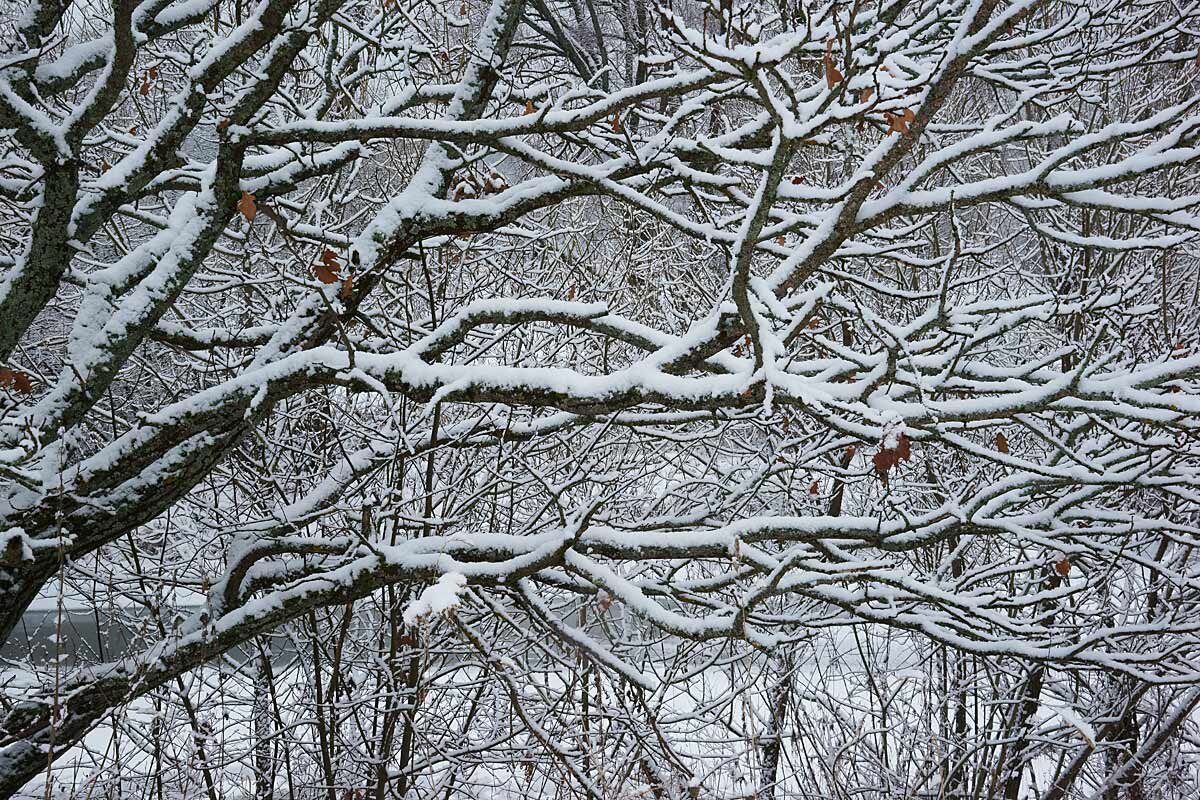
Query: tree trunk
pixel 264 760
pixel 772 749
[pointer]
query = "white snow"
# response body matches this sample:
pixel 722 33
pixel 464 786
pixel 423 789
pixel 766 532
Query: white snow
pixel 438 599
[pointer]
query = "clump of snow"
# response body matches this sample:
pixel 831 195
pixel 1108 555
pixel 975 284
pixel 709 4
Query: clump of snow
pixel 440 598
pixel 1068 715
pixel 893 429
pixel 14 546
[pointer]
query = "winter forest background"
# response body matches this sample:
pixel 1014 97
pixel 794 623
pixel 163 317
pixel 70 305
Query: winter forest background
pixel 600 399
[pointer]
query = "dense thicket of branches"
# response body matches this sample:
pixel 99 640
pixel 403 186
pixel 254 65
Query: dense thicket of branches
pixel 588 398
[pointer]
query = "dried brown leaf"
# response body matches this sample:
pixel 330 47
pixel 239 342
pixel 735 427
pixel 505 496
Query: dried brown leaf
pixel 247 206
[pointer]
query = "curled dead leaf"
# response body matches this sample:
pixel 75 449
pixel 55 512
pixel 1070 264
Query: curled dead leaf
pixel 833 76
pixel 889 457
pixel 247 206
pixel 327 267
pixel 15 380
pixel 884 460
pixel 896 123
pixel 324 274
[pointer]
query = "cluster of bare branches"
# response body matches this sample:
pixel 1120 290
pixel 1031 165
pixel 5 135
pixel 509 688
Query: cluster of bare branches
pixel 479 398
